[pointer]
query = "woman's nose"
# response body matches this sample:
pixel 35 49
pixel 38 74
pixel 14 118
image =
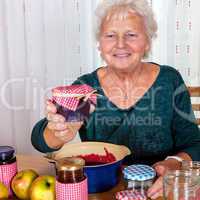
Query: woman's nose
pixel 121 42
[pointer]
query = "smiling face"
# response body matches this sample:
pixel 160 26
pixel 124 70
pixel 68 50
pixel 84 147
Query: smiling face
pixel 123 42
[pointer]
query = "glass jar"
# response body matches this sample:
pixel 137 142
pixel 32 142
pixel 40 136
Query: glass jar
pixel 8 165
pixel 191 165
pixel 139 177
pixel 71 183
pixel 194 167
pixel 7 155
pixel 180 184
pixel 70 170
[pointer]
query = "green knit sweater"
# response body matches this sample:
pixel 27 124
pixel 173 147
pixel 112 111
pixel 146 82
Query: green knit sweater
pixel 161 123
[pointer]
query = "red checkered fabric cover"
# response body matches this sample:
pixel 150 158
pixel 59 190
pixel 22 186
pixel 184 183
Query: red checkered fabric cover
pixel 71 103
pixel 198 194
pixel 130 195
pixel 6 174
pixel 72 191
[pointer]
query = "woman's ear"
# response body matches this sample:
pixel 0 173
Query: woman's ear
pixel 147 47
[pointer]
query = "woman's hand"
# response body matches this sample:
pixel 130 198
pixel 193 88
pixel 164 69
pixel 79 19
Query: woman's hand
pixel 156 189
pixel 58 131
pixel 161 168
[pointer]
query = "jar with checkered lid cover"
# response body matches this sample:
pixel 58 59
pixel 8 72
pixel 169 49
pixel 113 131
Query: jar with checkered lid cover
pixel 139 177
pixel 8 166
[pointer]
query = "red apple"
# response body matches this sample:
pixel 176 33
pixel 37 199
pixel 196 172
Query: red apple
pixel 43 188
pixel 22 181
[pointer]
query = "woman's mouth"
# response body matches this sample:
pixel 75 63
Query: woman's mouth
pixel 122 55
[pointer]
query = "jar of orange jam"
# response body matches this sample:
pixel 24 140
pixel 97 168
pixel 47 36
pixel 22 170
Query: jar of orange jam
pixel 70 170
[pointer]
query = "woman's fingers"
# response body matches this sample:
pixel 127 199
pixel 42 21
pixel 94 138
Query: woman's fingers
pixel 61 131
pixel 74 126
pixel 50 107
pixel 161 169
pixel 156 190
pixel 65 135
pixel 51 117
pixel 57 126
pixel 64 131
pixel 158 194
pixel 51 113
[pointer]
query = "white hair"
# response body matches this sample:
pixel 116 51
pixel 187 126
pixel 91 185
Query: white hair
pixel 119 9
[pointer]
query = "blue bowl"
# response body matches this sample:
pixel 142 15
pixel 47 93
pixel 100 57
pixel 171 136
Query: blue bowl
pixel 101 177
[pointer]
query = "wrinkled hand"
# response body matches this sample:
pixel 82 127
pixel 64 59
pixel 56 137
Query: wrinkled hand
pixel 156 189
pixel 65 131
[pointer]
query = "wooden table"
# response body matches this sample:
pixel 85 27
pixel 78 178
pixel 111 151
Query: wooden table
pixel 43 167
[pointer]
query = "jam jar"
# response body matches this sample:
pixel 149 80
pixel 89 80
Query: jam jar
pixel 139 177
pixel 8 165
pixel 71 183
pixel 70 170
pixel 70 101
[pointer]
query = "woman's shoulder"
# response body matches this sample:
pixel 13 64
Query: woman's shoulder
pixel 169 70
pixel 171 74
pixel 89 78
pixel 166 70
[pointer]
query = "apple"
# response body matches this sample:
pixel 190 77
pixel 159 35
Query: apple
pixel 43 188
pixel 3 191
pixel 22 181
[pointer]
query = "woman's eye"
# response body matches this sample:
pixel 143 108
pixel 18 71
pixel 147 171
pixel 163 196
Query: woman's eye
pixel 109 36
pixel 131 35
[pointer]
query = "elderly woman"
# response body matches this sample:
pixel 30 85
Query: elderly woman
pixel 142 105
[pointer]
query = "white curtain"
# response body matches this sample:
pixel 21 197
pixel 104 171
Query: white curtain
pixel 178 42
pixel 45 43
pixel 39 49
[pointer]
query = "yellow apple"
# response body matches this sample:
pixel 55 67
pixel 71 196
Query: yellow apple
pixel 22 181
pixel 43 188
pixel 3 191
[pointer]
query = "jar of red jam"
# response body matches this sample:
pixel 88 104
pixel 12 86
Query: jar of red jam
pixel 8 166
pixel 71 101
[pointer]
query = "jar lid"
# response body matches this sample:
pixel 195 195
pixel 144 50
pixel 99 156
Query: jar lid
pixel 130 195
pixel 69 96
pixel 6 153
pixel 139 172
pixel 70 164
